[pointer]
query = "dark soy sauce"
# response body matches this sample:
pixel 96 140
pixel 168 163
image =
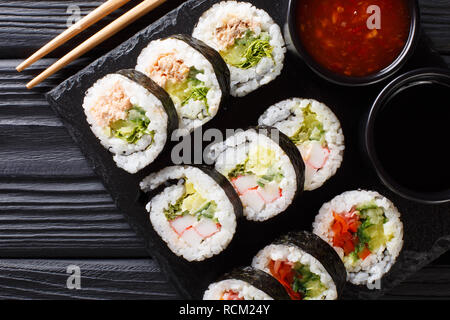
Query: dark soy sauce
pixel 412 137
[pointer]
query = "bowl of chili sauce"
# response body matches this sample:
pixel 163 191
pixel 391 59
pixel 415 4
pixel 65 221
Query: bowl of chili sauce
pixel 353 42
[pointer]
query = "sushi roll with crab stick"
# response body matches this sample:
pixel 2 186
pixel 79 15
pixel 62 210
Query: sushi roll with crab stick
pixel 264 167
pixel 193 209
pixel 132 117
pixel 248 39
pixel 195 76
pixel 317 133
pixel 306 266
pixel 365 230
pixel 246 284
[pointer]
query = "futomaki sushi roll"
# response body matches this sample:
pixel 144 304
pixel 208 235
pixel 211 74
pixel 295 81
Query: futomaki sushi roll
pixel 131 116
pixel 246 284
pixel 365 230
pixel 248 39
pixel 193 209
pixel 306 266
pixel 317 133
pixel 265 168
pixel 195 76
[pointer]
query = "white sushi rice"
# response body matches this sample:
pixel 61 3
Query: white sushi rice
pixel 209 190
pixel 287 116
pixel 296 255
pixel 244 81
pixel 246 291
pixel 130 157
pixel 235 150
pixel 371 269
pixel 189 120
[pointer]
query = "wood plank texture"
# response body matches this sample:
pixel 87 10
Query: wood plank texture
pixel 142 279
pixel 25 26
pixel 100 279
pixel 65 212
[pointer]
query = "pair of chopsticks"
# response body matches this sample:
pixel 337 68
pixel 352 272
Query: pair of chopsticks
pixel 105 9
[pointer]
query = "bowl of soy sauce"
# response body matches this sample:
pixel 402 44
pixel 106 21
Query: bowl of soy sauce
pixel 407 134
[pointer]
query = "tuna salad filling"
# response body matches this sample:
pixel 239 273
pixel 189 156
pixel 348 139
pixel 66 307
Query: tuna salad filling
pixel 182 83
pixel 119 118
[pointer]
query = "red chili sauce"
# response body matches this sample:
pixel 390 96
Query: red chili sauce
pixel 336 33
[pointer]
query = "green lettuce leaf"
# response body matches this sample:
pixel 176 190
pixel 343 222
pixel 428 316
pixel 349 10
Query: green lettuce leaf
pixel 134 127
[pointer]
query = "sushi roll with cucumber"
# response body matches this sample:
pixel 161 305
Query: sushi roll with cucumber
pixel 195 76
pixel 264 167
pixel 248 39
pixel 317 133
pixel 306 266
pixel 193 209
pixel 365 230
pixel 246 284
pixel 131 116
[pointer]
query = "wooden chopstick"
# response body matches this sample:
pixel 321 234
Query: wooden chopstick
pixel 141 9
pixel 93 17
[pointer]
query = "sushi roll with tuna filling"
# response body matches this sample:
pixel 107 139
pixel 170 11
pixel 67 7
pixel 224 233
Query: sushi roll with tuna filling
pixel 306 266
pixel 246 284
pixel 317 133
pixel 195 76
pixel 365 230
pixel 248 39
pixel 131 116
pixel 196 215
pixel 264 167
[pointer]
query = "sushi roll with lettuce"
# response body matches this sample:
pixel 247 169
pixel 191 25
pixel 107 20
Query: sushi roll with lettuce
pixel 249 41
pixel 365 230
pixel 306 266
pixel 193 209
pixel 194 75
pixel 246 284
pixel 131 116
pixel 317 133
pixel 264 167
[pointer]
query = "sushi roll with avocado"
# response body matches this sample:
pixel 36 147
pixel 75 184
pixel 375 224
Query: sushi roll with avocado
pixel 193 209
pixel 195 76
pixel 306 266
pixel 365 230
pixel 265 168
pixel 246 284
pixel 131 116
pixel 317 133
pixel 248 39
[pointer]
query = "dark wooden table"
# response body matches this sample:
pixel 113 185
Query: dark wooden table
pixel 54 212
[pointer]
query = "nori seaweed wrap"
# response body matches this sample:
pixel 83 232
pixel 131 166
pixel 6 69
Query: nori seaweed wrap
pixel 131 116
pixel 195 210
pixel 246 284
pixel 195 76
pixel 265 168
pixel 305 265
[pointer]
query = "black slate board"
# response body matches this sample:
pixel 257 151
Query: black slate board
pixel 427 228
